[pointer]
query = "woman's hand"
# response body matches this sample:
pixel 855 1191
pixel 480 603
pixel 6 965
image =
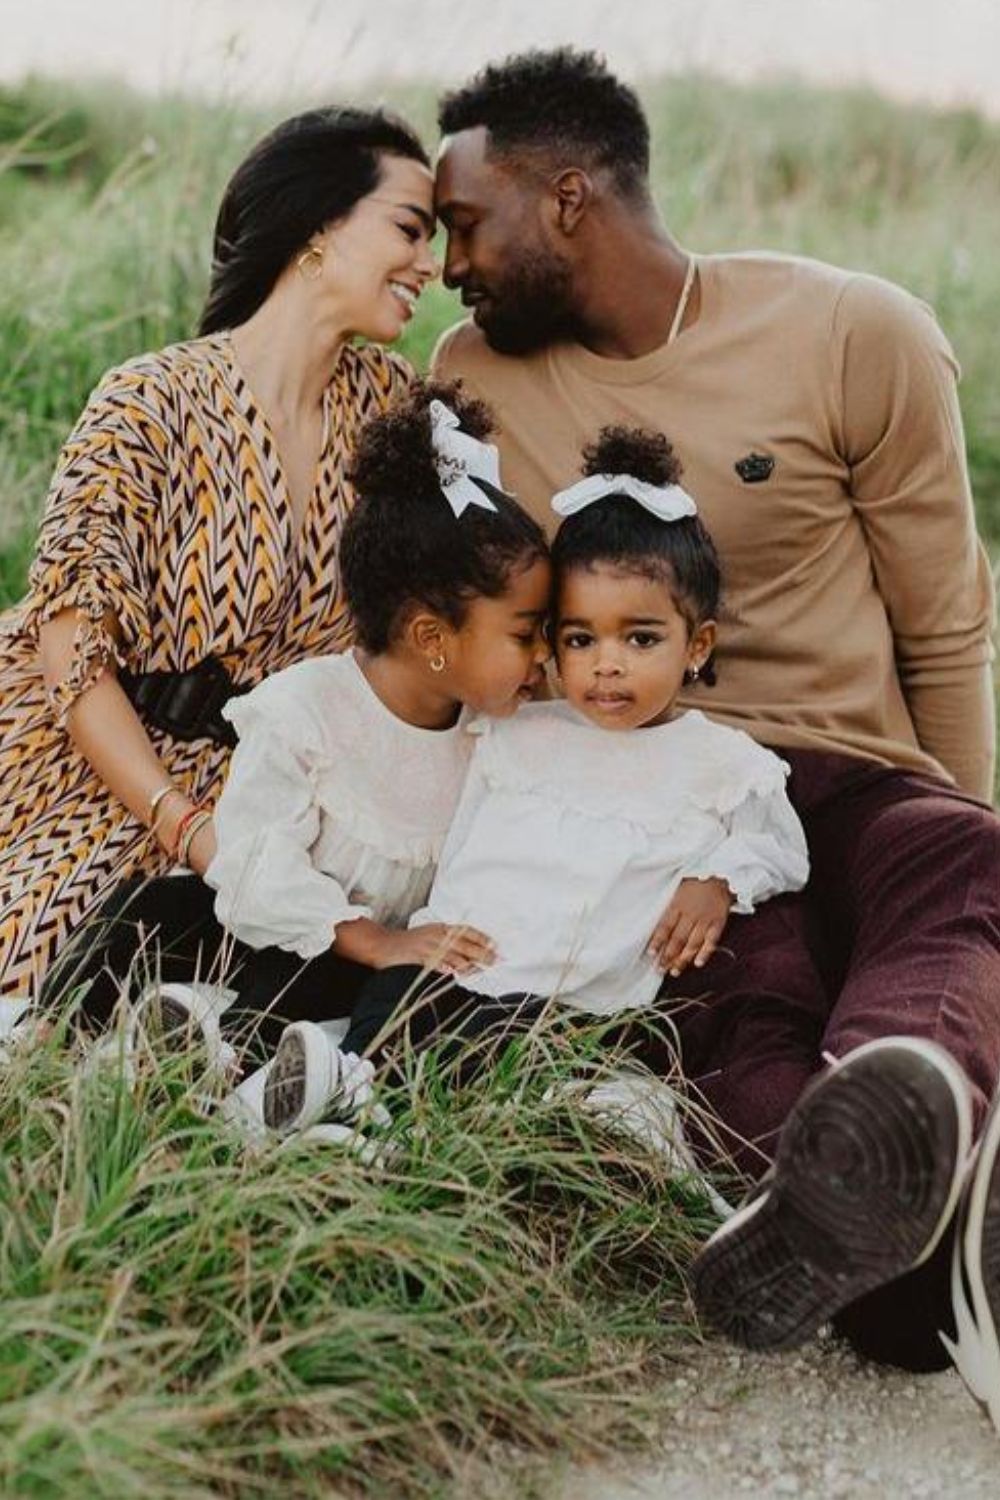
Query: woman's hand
pixel 434 946
pixel 690 928
pixel 109 734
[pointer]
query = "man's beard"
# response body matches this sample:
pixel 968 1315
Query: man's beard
pixel 530 306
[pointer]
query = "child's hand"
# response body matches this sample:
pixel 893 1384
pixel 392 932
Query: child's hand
pixel 691 926
pixel 448 950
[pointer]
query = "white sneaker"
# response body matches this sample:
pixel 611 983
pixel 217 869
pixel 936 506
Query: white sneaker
pixel 646 1110
pixel 183 1016
pixel 311 1077
pixel 16 1024
pixel 329 1134
pixel 975 1273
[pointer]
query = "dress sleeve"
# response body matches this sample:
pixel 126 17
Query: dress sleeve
pixel 902 439
pixel 94 551
pixel 762 849
pixel 268 891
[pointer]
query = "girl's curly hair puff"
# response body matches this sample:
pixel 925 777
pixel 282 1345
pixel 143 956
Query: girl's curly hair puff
pixel 620 531
pixel 403 548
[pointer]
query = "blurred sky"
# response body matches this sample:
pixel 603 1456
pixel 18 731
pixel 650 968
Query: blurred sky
pixel 946 51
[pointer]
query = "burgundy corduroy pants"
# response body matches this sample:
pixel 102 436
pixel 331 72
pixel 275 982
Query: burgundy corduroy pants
pixel 897 933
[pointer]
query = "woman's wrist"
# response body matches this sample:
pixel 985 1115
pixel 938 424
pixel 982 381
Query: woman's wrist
pixel 192 823
pixel 201 846
pixel 168 825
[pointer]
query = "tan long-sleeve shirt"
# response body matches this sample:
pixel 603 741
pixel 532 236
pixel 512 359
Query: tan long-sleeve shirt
pixel 860 600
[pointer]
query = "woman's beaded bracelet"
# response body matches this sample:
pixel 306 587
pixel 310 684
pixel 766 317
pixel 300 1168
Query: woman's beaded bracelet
pixel 156 801
pixel 183 825
pixel 191 824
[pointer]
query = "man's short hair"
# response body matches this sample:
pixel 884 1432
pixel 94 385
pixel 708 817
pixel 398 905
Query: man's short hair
pixel 564 104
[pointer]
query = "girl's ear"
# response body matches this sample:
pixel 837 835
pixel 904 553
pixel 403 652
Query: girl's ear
pixel 702 643
pixel 426 633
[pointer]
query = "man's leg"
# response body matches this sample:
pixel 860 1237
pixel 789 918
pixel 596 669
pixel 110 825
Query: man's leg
pixel 904 873
pixel 910 873
pixel 749 1026
pixel 907 873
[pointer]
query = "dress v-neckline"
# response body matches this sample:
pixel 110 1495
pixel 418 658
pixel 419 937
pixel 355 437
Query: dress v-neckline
pixel 296 524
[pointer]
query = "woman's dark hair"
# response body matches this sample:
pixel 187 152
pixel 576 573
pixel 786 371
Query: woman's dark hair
pixel 308 172
pixel 620 531
pixel 403 547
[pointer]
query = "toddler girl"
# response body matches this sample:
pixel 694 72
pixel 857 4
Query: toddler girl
pixel 348 768
pixel 604 839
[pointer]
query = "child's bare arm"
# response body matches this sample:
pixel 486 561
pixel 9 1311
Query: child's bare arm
pixel 690 928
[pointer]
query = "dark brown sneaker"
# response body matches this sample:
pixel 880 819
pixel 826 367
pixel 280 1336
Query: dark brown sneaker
pixel 866 1178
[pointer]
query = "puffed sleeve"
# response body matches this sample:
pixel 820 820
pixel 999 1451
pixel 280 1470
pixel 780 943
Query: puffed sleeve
pixel 268 891
pixel 94 547
pixel 762 848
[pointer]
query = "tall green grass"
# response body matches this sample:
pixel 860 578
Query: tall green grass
pixel 182 1316
pixel 106 207
pixel 187 1316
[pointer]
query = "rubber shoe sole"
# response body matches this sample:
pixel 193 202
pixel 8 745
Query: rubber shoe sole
pixel 302 1078
pixel 866 1177
pixel 975 1273
pixel 180 1017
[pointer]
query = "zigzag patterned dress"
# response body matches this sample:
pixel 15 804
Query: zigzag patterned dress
pixel 169 513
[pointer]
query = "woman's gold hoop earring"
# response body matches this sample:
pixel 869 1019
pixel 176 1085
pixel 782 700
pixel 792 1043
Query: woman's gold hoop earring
pixel 437 663
pixel 310 263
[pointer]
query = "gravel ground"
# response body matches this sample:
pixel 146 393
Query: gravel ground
pixel 817 1425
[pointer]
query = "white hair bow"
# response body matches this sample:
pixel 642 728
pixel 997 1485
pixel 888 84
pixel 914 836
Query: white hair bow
pixel 669 502
pixel 461 460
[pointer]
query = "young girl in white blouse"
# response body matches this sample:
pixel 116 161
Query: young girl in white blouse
pixel 348 768
pixel 604 839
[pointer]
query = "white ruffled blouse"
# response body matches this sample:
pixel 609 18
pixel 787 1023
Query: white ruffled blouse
pixel 334 808
pixel 570 841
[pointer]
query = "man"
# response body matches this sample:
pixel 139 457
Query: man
pixel 815 413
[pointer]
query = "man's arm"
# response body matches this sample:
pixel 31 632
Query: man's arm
pixel 902 438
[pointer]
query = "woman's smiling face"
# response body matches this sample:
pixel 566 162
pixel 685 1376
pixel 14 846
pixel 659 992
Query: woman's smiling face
pixel 377 261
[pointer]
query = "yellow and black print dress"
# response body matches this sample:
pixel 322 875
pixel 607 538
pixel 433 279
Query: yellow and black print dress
pixel 169 513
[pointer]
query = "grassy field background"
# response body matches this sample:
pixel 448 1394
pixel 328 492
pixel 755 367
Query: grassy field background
pixel 107 202
pixel 186 1318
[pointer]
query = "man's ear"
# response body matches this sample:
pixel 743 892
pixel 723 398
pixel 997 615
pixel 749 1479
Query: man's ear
pixel 572 192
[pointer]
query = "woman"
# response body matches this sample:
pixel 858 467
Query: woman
pixel 189 542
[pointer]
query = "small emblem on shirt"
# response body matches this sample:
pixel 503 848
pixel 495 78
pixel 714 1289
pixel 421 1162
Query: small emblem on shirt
pixel 755 468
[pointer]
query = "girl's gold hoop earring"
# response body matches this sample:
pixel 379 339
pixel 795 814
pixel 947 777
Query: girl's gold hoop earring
pixel 437 663
pixel 310 263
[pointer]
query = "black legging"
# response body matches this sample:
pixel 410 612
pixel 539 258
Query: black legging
pixel 167 929
pixel 430 1010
